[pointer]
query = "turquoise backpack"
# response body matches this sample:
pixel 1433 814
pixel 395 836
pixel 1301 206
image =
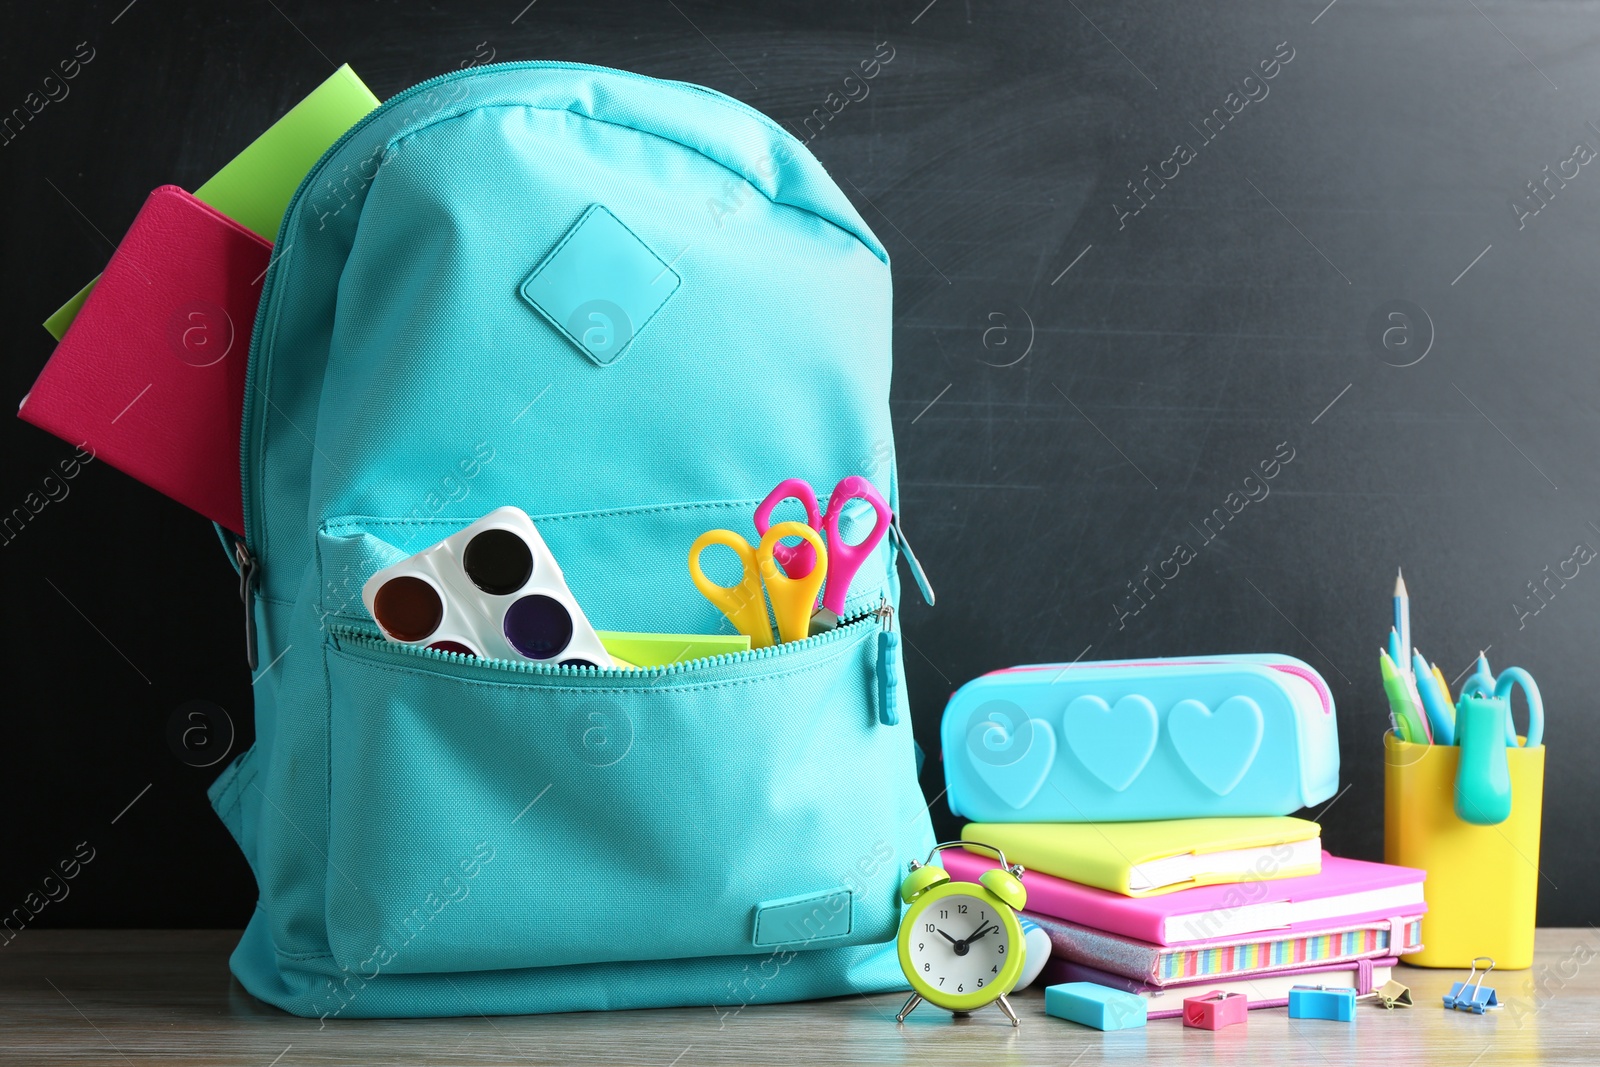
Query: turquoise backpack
pixel 629 307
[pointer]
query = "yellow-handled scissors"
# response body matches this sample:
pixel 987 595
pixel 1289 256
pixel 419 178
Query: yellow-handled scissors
pixel 792 598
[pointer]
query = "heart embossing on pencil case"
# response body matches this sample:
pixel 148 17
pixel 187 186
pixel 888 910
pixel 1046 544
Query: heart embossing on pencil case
pixel 1114 742
pixel 1218 746
pixel 1012 753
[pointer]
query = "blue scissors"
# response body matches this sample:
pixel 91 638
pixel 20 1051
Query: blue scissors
pixel 1484 683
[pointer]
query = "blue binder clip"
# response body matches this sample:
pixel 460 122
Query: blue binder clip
pixel 1472 995
pixel 1320 1002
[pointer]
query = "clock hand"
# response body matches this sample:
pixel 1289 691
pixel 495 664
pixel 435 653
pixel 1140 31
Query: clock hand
pixel 974 936
pixel 946 936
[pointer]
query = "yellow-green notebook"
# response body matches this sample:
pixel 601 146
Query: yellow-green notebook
pixel 1141 859
pixel 665 650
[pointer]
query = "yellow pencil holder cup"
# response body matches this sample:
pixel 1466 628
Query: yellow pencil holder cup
pixel 1483 881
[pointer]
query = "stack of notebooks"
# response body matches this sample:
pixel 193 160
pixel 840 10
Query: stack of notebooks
pixel 1177 908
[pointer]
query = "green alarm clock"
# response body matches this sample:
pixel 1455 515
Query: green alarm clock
pixel 960 942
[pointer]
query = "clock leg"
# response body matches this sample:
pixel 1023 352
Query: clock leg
pixel 911 1006
pixel 1005 1006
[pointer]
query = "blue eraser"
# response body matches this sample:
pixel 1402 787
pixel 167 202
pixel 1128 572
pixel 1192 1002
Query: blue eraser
pixel 1094 1005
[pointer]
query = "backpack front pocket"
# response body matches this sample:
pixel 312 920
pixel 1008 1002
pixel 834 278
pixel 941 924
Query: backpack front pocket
pixel 480 812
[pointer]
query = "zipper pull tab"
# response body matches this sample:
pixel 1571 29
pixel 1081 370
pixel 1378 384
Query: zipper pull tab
pixel 247 593
pixel 888 679
pixel 917 574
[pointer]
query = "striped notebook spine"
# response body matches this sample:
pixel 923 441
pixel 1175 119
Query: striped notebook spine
pixel 1178 964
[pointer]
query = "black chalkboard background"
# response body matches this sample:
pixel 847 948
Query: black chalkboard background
pixel 1077 385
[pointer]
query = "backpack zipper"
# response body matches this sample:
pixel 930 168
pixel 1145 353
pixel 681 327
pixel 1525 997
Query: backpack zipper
pixel 898 537
pixel 247 593
pixel 371 640
pixel 888 681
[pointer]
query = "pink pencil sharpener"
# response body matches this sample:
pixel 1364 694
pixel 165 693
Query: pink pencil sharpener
pixel 1215 1010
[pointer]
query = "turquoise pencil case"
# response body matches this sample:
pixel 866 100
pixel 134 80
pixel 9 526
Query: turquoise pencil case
pixel 1119 741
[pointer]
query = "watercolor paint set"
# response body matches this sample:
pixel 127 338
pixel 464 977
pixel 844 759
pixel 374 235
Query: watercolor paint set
pixel 492 591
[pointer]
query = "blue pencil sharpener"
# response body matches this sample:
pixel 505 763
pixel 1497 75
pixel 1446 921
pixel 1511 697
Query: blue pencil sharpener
pixel 1315 1002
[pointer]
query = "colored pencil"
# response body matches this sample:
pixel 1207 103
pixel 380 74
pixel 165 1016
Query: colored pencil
pixel 1402 621
pixel 1441 715
pixel 1410 726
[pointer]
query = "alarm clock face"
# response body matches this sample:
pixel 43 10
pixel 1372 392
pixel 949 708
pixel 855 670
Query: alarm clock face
pixel 960 946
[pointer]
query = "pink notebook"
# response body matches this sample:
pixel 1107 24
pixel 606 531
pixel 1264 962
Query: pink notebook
pixel 1347 892
pixel 1264 991
pixel 150 376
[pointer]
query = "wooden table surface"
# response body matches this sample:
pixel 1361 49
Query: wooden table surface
pixel 135 997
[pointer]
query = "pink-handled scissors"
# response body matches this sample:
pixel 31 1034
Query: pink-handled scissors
pixel 844 559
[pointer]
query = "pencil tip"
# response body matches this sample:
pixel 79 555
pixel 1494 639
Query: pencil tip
pixel 1399 582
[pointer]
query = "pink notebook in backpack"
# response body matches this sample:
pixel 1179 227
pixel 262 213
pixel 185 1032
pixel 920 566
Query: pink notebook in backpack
pixel 150 376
